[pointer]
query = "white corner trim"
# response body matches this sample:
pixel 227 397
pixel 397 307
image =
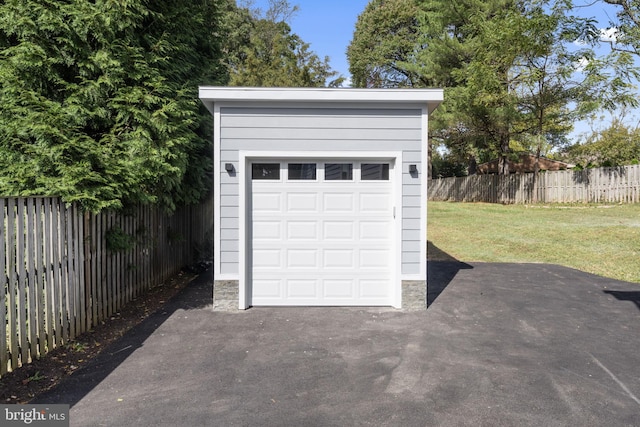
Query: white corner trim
pixel 216 195
pixel 424 194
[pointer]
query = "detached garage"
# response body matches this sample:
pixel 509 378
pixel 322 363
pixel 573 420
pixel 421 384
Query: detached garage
pixel 320 196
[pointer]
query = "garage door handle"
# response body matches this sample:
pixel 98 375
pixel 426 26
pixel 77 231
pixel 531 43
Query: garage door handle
pixel 394 212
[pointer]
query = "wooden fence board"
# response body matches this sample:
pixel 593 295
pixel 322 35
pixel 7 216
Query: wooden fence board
pixel 12 282
pixel 40 280
pixel 610 185
pixel 22 283
pixel 49 276
pixel 31 271
pixel 61 278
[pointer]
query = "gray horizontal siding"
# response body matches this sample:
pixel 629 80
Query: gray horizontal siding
pixel 411 224
pixel 411 246
pixel 411 210
pixel 284 115
pixel 341 144
pixel 229 155
pixel 325 121
pixel 303 134
pixel 411 190
pixel 320 129
pixel 230 189
pixel 411 201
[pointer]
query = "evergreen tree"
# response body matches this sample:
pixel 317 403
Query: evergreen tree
pixel 99 104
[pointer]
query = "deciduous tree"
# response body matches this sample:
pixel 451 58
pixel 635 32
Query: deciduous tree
pixel 507 66
pixel 263 51
pixel 625 31
pixel 386 35
pixel 616 145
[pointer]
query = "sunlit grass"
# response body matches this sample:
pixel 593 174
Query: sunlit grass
pixel 603 240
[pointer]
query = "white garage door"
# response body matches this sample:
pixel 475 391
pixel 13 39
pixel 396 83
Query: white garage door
pixel 321 232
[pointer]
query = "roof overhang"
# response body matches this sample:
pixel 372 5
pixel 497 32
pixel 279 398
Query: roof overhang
pixel 212 94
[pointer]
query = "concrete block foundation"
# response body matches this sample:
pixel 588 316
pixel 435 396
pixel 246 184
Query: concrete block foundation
pixel 414 295
pixel 225 295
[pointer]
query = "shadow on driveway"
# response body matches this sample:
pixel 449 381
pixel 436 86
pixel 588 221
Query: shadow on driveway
pixel 633 296
pixel 441 270
pixel 196 295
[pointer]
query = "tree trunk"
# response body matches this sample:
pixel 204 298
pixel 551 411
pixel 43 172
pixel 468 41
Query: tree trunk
pixel 503 162
pixel 472 167
pixel 429 166
pixel 536 171
pixel 503 167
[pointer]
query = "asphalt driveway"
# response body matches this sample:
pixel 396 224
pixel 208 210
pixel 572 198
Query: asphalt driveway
pixel 500 345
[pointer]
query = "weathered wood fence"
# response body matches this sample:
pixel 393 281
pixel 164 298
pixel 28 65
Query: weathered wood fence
pixel 602 185
pixel 64 271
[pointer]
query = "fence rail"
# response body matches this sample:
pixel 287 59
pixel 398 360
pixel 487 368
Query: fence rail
pixel 602 185
pixel 64 270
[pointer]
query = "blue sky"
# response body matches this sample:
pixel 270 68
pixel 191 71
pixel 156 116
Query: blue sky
pixel 327 25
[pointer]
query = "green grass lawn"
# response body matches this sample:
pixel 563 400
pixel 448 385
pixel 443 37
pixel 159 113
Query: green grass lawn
pixel 603 240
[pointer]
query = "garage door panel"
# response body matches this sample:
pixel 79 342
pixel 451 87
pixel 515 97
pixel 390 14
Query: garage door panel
pixel 338 258
pixel 374 259
pixel 378 202
pixel 373 288
pixel 373 230
pixel 317 242
pixel 267 230
pixel 338 289
pixel 267 202
pixel 302 230
pixel 302 288
pixel 339 202
pixel 267 289
pixel 338 230
pixel 303 258
pixel 267 258
pixel 302 202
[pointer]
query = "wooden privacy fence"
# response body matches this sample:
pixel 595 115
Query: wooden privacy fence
pixel 602 185
pixel 64 271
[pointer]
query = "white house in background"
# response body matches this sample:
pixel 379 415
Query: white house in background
pixel 320 196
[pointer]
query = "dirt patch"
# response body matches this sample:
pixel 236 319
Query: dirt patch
pixel 27 382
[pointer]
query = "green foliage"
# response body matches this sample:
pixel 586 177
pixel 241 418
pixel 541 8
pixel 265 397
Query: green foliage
pixel 36 377
pixel 263 52
pixel 509 68
pixel 446 165
pixel 617 145
pixel 118 241
pixel 99 99
pixel 627 26
pixel 386 34
pixel 78 347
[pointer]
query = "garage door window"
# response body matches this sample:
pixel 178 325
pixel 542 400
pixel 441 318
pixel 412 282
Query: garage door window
pixel 302 171
pixel 338 171
pixel 375 172
pixel 265 171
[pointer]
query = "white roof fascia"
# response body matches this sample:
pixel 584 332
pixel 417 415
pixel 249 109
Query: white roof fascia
pixel 212 94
